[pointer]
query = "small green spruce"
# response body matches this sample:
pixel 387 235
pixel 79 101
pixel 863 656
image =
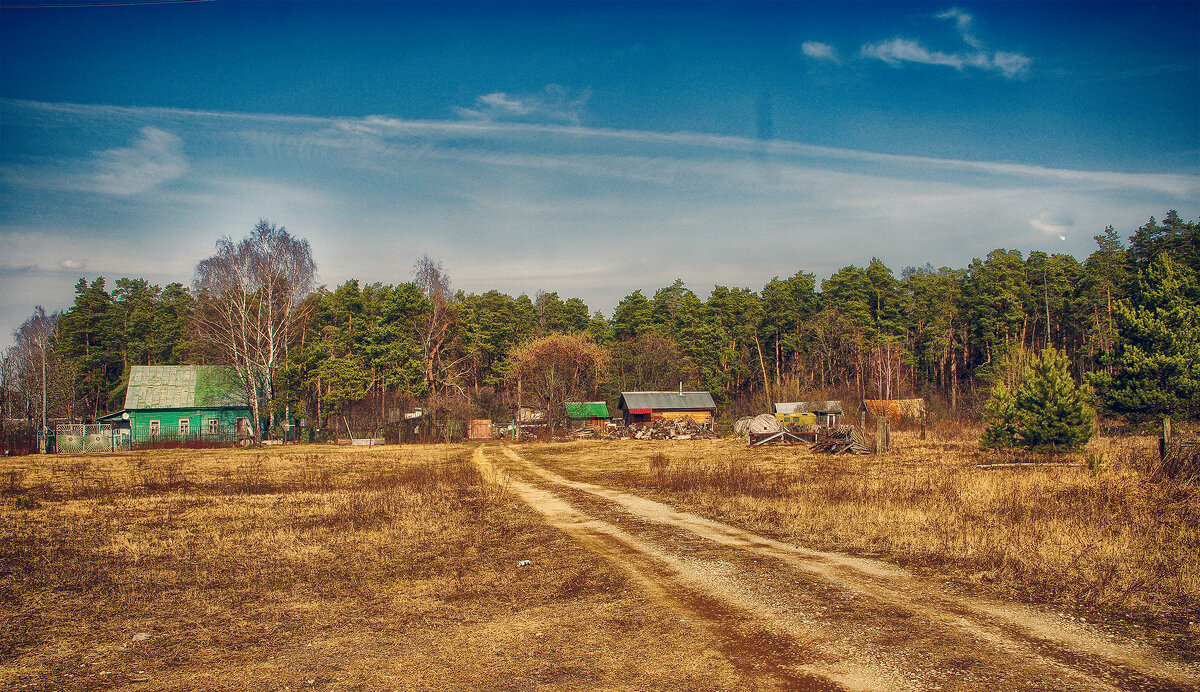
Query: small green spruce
pixel 1000 417
pixel 1053 413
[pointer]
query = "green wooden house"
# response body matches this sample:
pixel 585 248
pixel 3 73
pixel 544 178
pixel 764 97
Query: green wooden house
pixel 198 404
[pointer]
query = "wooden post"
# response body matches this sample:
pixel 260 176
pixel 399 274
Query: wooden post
pixel 923 418
pixel 1166 439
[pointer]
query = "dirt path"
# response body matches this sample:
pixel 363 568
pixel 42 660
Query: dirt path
pixel 798 619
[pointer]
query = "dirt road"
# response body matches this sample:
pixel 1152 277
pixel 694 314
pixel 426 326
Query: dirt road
pixel 796 619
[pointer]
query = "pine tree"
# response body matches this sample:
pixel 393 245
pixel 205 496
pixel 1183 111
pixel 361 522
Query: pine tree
pixel 1156 361
pixel 1053 413
pixel 1000 416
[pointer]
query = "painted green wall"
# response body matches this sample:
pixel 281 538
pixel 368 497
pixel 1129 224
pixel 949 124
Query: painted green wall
pixel 139 422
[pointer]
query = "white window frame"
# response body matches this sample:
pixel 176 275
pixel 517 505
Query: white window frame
pixel 155 427
pixel 185 426
pixel 214 426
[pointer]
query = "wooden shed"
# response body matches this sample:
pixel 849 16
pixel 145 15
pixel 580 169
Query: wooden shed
pixel 647 407
pixel 913 409
pixel 587 414
pixel 480 429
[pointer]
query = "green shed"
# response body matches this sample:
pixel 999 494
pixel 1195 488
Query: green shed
pixel 188 404
pixel 583 414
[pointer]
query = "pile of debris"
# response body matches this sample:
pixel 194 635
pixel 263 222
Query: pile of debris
pixel 1179 461
pixel 665 429
pixel 844 439
pixel 765 423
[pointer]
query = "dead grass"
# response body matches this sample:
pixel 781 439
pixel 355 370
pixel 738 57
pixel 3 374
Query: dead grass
pixel 1087 530
pixel 311 568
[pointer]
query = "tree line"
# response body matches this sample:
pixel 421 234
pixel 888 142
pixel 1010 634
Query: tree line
pixel 1125 321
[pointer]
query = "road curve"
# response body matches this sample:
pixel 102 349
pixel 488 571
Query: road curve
pixel 791 618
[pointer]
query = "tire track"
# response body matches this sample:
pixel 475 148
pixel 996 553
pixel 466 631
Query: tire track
pixel 742 631
pixel 1017 636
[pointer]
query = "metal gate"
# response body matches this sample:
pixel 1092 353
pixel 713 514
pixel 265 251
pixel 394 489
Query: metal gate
pixel 83 439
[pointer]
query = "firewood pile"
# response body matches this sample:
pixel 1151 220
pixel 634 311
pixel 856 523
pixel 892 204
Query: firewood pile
pixel 665 429
pixel 844 439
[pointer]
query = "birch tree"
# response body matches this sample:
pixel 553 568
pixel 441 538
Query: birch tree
pixel 251 301
pixel 435 330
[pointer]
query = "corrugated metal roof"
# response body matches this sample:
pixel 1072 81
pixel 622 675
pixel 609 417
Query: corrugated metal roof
pixel 183 386
pixel 667 401
pixel 586 409
pixel 833 406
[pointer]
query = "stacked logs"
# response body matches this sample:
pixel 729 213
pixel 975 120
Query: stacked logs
pixel 665 429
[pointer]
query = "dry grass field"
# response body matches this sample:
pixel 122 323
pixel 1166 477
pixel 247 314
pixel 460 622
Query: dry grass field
pixel 312 568
pixel 317 567
pixel 1086 534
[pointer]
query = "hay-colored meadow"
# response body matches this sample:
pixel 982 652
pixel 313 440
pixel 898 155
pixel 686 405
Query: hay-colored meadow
pixel 315 567
pixel 311 568
pixel 1087 530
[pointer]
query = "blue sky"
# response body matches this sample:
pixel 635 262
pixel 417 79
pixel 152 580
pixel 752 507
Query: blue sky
pixel 585 148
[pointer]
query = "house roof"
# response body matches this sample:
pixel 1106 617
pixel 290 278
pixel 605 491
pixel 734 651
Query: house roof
pixel 183 386
pixel 809 407
pixel 586 409
pixel 526 414
pixel 666 401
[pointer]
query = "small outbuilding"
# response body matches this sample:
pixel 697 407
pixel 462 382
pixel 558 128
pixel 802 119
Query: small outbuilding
pixel 647 407
pixel 826 413
pixel 586 414
pixel 913 409
pixel 185 404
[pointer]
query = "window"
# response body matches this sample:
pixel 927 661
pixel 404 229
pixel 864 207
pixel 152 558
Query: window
pixel 213 425
pixel 184 426
pixel 154 428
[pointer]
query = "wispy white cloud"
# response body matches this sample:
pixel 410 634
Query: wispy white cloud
pixel 901 50
pixel 1056 223
pixel 963 21
pixel 72 264
pixel 507 205
pixel 156 157
pixel 819 51
pixel 1010 64
pixel 554 104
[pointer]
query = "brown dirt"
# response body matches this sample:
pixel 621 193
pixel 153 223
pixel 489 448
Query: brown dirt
pixel 795 618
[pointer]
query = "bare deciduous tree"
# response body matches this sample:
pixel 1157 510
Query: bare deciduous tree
pixel 251 300
pixel 437 327
pixel 37 383
pixel 557 368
